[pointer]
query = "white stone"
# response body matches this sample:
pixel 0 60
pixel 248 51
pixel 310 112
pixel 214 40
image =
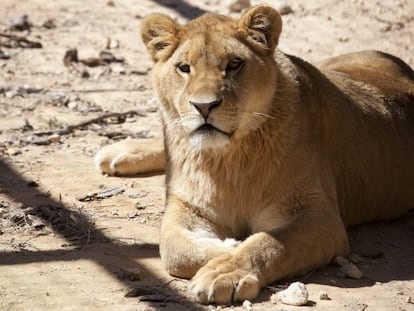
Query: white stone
pixel 54 138
pixel 247 305
pixel 296 295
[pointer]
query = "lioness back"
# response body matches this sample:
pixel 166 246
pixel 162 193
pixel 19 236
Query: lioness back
pixel 368 128
pixel 363 114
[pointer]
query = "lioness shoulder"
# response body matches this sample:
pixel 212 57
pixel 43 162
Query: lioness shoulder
pixel 269 158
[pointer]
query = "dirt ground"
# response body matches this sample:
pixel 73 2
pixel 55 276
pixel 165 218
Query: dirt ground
pixel 73 239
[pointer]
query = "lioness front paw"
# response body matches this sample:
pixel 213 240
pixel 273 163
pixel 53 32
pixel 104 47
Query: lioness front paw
pixel 221 281
pixel 130 157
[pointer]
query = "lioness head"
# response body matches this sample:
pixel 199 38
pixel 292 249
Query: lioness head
pixel 215 76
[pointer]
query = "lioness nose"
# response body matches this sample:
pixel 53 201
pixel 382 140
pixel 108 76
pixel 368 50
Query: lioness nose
pixel 205 108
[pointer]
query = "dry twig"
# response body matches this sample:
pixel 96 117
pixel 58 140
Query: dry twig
pixel 19 41
pixel 70 128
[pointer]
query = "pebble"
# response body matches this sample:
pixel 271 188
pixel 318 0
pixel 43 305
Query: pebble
pixel 296 295
pixel 49 24
pixel 85 74
pixel 351 271
pixel 54 138
pixel 36 140
pixel 132 214
pixel 73 105
pixel 323 295
pixel 13 152
pixel 247 305
pixel 4 55
pixel 340 261
pixel 239 5
pixel 283 8
pixel 354 258
pixel 10 94
pixel 118 69
pixel 20 23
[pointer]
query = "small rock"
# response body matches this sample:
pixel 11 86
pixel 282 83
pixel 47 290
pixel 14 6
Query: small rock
pixel 73 105
pixel 71 56
pixel 49 24
pixel 239 5
pixel 32 184
pixel 10 94
pixel 42 141
pixel 54 138
pixel 408 299
pixel 112 44
pixel 351 271
pixel 130 275
pixel 354 258
pixel 340 261
pixel 386 28
pixel 139 206
pixel 283 8
pixel 20 23
pixel 296 295
pixel 247 305
pixel 323 295
pixel 118 69
pixel 132 214
pixel 85 74
pixel 13 152
pixel 4 55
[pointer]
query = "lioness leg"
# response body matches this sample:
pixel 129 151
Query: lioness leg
pixel 131 156
pixel 312 239
pixel 184 249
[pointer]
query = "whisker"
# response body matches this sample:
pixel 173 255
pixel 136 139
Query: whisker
pixel 263 115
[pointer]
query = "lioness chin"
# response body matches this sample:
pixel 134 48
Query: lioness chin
pixel 268 158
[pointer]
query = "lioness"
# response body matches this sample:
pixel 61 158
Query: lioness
pixel 268 158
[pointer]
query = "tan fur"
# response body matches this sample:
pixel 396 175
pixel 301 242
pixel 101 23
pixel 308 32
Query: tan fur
pixel 300 151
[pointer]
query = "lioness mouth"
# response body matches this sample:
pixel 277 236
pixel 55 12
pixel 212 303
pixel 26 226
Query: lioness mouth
pixel 208 128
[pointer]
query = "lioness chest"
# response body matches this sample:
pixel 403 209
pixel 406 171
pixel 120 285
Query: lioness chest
pixel 241 193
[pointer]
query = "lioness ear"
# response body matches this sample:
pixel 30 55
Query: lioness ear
pixel 261 26
pixel 159 34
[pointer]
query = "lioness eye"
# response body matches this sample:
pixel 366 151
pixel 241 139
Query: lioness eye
pixel 234 64
pixel 183 67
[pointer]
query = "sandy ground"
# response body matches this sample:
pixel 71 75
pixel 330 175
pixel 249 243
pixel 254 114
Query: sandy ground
pixel 72 239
